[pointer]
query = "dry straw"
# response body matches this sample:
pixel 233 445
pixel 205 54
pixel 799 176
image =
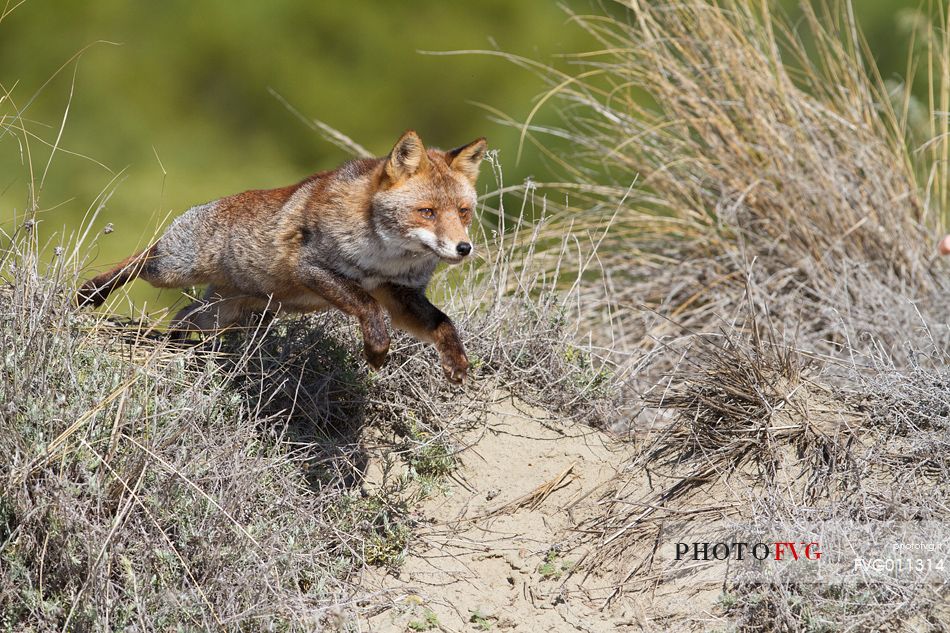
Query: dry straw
pixel 714 139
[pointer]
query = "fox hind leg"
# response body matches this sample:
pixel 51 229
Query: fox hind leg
pixel 214 312
pixel 192 319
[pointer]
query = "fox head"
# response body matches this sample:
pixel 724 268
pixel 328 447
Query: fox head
pixel 425 199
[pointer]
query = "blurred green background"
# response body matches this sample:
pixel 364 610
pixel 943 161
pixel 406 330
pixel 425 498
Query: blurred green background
pixel 169 104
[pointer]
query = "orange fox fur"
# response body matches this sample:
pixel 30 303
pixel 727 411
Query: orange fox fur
pixel 364 238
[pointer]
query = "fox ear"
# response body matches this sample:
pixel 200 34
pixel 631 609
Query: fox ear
pixel 468 158
pixel 407 157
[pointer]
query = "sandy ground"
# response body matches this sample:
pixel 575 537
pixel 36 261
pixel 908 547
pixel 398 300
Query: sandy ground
pixel 486 556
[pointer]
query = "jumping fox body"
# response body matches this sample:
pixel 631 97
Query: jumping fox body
pixel 363 238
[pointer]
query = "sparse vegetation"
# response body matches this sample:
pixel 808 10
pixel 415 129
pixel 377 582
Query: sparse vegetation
pixel 429 622
pixel 480 621
pixel 735 277
pixel 771 288
pixel 554 566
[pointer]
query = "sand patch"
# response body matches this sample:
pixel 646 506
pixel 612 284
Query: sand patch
pixel 490 552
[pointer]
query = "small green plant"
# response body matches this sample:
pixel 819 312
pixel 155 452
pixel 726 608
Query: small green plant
pixel 387 547
pixel 428 622
pixel 727 601
pixel 481 621
pixel 433 459
pixel 476 362
pixel 593 380
pixel 381 519
pixel 553 567
pixel 429 456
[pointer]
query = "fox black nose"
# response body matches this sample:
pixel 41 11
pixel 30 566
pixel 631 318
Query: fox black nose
pixel 463 248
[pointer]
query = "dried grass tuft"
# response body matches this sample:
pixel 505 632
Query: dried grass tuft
pixel 716 139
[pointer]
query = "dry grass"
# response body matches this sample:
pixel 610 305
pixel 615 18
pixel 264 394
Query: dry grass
pixel 747 231
pixel 150 486
pixel 219 486
pixel 718 145
pixel 770 283
pixel 750 439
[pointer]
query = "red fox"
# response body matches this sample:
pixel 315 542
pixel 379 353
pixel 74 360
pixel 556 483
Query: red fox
pixel 363 238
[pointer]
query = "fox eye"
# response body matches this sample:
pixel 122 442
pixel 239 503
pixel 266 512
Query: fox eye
pixel 427 212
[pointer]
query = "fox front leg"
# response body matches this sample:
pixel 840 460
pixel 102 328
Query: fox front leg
pixel 350 298
pixel 412 311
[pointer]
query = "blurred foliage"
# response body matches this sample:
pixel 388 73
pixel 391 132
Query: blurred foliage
pixel 160 106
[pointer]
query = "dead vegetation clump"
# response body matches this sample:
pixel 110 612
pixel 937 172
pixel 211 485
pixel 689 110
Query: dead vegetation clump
pixel 736 402
pixel 719 141
pixel 748 441
pixel 908 420
pixel 770 281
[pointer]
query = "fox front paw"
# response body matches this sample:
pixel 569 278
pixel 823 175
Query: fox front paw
pixel 455 367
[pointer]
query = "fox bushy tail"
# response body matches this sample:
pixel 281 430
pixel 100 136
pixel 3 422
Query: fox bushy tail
pixel 95 291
